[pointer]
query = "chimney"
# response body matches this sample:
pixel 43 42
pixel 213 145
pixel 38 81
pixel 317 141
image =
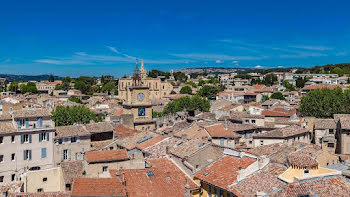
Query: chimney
pixel 225 124
pixel 167 150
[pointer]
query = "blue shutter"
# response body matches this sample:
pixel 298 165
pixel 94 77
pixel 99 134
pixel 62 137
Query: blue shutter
pixel 30 138
pixel 43 153
pixel 30 154
pixel 24 155
pixel 40 137
pixel 22 139
pixel 19 123
pixel 27 123
pixel 40 122
pixel 47 136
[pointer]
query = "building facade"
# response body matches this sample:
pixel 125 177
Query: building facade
pixel 157 87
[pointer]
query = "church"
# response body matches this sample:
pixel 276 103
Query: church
pixel 157 87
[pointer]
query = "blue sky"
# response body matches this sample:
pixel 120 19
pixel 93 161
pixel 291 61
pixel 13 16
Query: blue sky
pixel 105 37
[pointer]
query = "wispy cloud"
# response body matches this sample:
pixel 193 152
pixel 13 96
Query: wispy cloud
pixel 312 48
pixel 219 61
pixel 303 55
pixel 83 58
pixel 214 57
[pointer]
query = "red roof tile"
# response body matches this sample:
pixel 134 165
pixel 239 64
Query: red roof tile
pixel 98 187
pixel 149 142
pixel 123 131
pixel 164 178
pixel 223 172
pixel 106 155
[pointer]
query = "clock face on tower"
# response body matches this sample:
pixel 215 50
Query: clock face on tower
pixel 142 111
pixel 140 96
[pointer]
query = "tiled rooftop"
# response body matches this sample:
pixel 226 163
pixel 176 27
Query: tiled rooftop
pixel 100 127
pixel 164 178
pixel 98 187
pixel 149 142
pixel 263 181
pixel 223 172
pixel 301 160
pixel 132 141
pixel 123 131
pixel 71 131
pixel 281 133
pixel 106 155
pixel 7 127
pixel 187 148
pixel 71 170
pixel 325 124
pixel 220 130
pixel 31 113
pixel 192 132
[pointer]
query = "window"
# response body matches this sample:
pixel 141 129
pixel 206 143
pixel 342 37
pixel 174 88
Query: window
pixel 43 137
pixel 1 179
pixel 261 142
pixel 73 139
pixel 13 177
pixel 40 190
pixel 104 168
pixel 26 138
pixel 1 140
pixel 66 154
pixel 331 131
pixel 27 154
pixel 247 121
pixel 45 179
pixel 60 141
pixel 68 187
pixel 13 156
pixel 307 172
pixel 1 158
pixel 253 121
pixel 331 145
pixel 43 153
pixel 13 139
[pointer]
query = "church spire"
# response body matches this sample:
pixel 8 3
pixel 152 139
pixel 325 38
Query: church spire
pixel 143 72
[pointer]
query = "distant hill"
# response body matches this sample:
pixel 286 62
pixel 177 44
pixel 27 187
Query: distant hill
pixel 340 69
pixel 219 70
pixel 27 77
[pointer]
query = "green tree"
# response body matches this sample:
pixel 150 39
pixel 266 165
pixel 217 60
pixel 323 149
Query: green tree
pixel 108 87
pixel 186 104
pixel 63 116
pixel 66 80
pixel 324 102
pixel 277 95
pixel 75 99
pixel 208 91
pixel 13 87
pixel 30 87
pixel 289 87
pixel 300 82
pixel 191 83
pixel 186 90
pixel 270 79
pixel 85 88
pixel 179 76
pixel 51 78
pixel 243 76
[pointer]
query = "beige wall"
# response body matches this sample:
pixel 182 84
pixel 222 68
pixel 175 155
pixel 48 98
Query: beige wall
pixel 95 170
pixel 54 183
pixel 19 165
pixel 267 141
pixel 74 148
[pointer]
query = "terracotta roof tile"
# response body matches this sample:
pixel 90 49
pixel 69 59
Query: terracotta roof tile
pixel 29 113
pixel 7 127
pixel 106 155
pixel 302 160
pixel 123 131
pixel 284 132
pixel 98 187
pixel 71 131
pixel 192 132
pixel 100 127
pixel 164 178
pixel 223 172
pixel 149 142
pixel 325 124
pixel 71 170
pixel 219 130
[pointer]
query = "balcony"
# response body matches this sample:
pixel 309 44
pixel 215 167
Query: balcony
pixel 31 128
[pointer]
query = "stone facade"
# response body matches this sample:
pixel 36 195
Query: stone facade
pixel 157 88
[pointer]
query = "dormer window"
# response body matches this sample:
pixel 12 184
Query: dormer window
pixel 306 172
